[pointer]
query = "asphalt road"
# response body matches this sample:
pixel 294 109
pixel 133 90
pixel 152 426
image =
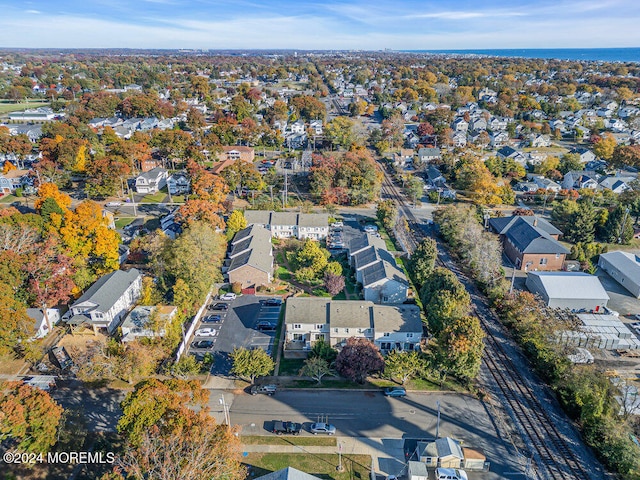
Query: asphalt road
pixel 372 415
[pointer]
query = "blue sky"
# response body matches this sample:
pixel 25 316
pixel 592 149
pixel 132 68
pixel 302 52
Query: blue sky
pixel 302 24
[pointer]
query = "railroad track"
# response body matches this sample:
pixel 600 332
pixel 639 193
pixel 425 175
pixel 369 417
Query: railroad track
pixel 549 449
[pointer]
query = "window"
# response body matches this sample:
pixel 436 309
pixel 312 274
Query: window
pixel 557 255
pixel 335 330
pixel 319 326
pixel 385 299
pixel 297 337
pixel 386 334
pixel 359 330
pixel 297 326
pixel 409 335
pixel 346 330
pixel 543 261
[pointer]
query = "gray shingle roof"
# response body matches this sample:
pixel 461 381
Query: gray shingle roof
pixel 313 220
pixel 401 318
pixel 288 473
pixel 382 270
pixel 260 217
pixel 254 250
pixel 363 241
pixel 350 314
pixel 502 224
pixel 529 239
pixel 370 255
pixel 106 291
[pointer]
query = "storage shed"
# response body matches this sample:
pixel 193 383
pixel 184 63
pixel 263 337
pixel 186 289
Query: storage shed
pixel 624 268
pixel 444 452
pixel 473 459
pixel 574 291
pixel 418 471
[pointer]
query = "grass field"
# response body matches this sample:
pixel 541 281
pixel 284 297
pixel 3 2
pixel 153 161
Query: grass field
pixel 155 197
pixel 288 440
pixel 8 198
pixel 124 221
pixel 18 107
pixel 321 465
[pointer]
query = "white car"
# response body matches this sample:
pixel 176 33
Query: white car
pixel 450 474
pixel 206 332
pixel 228 296
pixel 113 204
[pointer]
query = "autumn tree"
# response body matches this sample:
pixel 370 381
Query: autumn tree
pixel 311 260
pixel 404 365
pixel 605 147
pixel 387 214
pixel 339 132
pixel 474 178
pixel 308 107
pixel 333 283
pixel 15 325
pixel 316 368
pixel 105 175
pixel 50 277
pixel 444 299
pixel 50 190
pixel 29 417
pixel 422 261
pixel 425 129
pixel 358 358
pixel 195 257
pixel 235 223
pixel 250 364
pixel 460 347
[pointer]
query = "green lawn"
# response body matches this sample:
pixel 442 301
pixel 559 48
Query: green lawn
pixel 18 107
pixel 290 366
pixel 155 197
pixel 320 465
pixel 283 274
pixel 124 221
pixel 288 440
pixel 8 198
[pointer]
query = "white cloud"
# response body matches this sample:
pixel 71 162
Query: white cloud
pixel 461 15
pixel 33 12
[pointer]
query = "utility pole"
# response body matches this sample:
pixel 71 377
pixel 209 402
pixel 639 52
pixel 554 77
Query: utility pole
pixel 340 467
pixel 624 223
pixel 225 409
pixel 438 421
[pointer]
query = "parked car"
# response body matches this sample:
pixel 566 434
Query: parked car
pixel 450 474
pixel 266 326
pixel 395 392
pixel 286 428
pixel 273 302
pixel 219 306
pixel 370 229
pixel 206 332
pixel 211 319
pixel 202 344
pixel 326 428
pixel 228 296
pixel 263 389
pixel 113 204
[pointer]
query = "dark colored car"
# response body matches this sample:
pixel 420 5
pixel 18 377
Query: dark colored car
pixel 266 326
pixel 273 302
pixel 202 344
pixel 219 306
pixel 395 392
pixel 286 428
pixel 264 389
pixel 211 319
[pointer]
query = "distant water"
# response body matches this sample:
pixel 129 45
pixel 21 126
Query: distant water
pixel 591 54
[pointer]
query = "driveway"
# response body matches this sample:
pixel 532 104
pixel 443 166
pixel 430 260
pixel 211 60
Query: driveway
pixel 238 328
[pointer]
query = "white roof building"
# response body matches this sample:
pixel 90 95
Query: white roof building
pixel 574 291
pixel 624 268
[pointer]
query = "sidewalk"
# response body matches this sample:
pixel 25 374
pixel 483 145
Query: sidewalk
pixel 387 453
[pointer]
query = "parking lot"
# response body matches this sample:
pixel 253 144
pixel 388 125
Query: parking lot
pixel 246 322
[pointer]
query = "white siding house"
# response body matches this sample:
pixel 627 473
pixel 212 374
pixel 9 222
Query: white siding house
pixel 108 300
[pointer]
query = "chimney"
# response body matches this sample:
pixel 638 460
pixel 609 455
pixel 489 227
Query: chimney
pixel 535 221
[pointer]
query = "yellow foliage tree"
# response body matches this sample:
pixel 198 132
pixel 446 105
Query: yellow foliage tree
pixel 605 147
pixel 50 190
pixel 8 166
pixel 81 159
